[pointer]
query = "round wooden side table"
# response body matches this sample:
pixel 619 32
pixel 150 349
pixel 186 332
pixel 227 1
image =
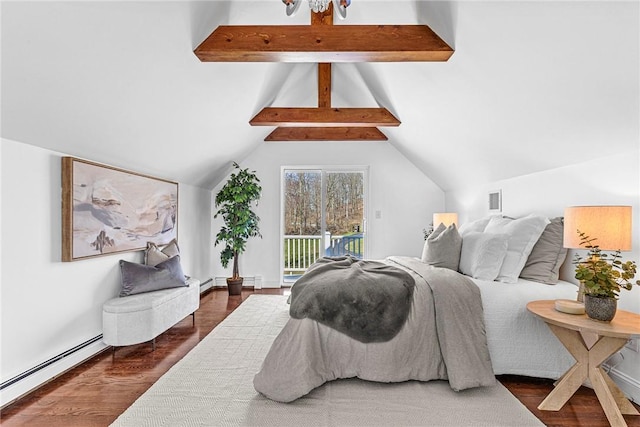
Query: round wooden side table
pixel 591 343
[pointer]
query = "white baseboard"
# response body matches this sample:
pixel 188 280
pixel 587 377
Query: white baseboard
pixel 35 380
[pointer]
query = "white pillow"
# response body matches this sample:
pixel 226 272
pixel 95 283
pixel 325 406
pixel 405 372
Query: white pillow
pixel 523 234
pixel 473 226
pixel 482 254
pixel 442 247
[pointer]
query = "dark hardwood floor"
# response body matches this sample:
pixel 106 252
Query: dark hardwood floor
pixel 97 391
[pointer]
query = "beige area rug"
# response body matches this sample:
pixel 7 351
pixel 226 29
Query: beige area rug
pixel 213 386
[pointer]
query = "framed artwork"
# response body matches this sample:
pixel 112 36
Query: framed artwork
pixel 106 210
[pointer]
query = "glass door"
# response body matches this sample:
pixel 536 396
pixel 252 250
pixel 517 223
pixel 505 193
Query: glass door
pixel 344 213
pixel 323 215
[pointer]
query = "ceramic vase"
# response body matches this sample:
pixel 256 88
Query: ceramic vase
pixel 600 308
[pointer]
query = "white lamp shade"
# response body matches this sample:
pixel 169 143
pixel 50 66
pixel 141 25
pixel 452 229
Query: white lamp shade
pixel 610 226
pixel 445 218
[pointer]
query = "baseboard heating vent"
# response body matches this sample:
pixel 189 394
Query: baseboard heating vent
pixel 249 281
pixel 49 362
pixel 207 284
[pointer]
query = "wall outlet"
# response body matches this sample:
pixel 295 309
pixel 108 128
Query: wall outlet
pixel 633 344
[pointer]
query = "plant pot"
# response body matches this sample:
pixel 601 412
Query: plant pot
pixel 234 285
pixel 600 308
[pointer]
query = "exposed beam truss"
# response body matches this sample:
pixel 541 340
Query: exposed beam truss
pixel 324 43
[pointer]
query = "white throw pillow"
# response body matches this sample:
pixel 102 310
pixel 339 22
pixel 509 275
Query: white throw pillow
pixel 442 247
pixel 482 254
pixel 523 234
pixel 474 226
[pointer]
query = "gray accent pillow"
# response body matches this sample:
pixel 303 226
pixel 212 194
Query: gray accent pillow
pixel 153 255
pixel 442 247
pixel 482 254
pixel 547 255
pixel 139 278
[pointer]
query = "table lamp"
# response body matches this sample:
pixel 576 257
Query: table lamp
pixel 446 218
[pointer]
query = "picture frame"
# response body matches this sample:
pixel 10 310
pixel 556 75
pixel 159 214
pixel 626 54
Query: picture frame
pixel 107 210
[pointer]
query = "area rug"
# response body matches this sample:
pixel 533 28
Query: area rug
pixel 213 386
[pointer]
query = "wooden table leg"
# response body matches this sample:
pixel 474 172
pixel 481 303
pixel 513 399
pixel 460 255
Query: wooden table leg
pixel 626 407
pixel 588 361
pixel 609 395
pixel 575 376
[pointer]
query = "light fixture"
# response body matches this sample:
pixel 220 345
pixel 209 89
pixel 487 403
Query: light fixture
pixel 316 6
pixel 446 218
pixel 608 226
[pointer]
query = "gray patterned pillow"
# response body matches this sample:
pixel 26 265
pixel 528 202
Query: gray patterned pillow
pixel 139 278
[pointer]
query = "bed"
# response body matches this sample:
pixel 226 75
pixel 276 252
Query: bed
pixel 307 353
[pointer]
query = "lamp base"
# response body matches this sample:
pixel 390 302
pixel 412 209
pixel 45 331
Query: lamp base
pixel 569 306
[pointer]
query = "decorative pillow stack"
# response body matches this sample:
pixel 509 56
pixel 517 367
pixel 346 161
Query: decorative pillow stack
pixel 442 247
pixel 523 233
pixel 161 270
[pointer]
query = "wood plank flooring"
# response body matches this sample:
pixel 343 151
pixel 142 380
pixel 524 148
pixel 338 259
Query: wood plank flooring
pixel 97 391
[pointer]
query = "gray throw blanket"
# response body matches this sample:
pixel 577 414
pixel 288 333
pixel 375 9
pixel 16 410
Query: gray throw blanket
pixel 366 300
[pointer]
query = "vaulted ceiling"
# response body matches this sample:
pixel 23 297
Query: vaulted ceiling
pixel 531 86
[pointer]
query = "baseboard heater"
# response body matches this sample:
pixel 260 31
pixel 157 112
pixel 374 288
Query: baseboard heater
pixel 249 281
pixel 49 362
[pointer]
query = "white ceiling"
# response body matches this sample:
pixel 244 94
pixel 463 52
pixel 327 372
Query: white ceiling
pixel 531 85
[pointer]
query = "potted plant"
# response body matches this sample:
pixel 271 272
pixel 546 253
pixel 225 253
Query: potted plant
pixel 602 276
pixel 234 202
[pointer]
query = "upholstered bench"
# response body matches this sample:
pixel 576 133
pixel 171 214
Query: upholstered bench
pixel 142 317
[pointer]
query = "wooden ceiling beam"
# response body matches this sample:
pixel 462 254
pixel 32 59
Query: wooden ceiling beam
pixel 323 43
pixel 326 134
pixel 324 117
pixel 324 68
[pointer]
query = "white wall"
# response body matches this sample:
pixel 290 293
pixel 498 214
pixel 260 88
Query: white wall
pixel 612 180
pixel 405 198
pixel 48 306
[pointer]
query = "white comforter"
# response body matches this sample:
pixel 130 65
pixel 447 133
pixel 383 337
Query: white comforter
pixel 519 342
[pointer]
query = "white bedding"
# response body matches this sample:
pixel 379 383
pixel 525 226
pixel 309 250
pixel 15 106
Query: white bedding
pixel 519 342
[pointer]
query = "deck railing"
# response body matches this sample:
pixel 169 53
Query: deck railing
pixel 302 251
